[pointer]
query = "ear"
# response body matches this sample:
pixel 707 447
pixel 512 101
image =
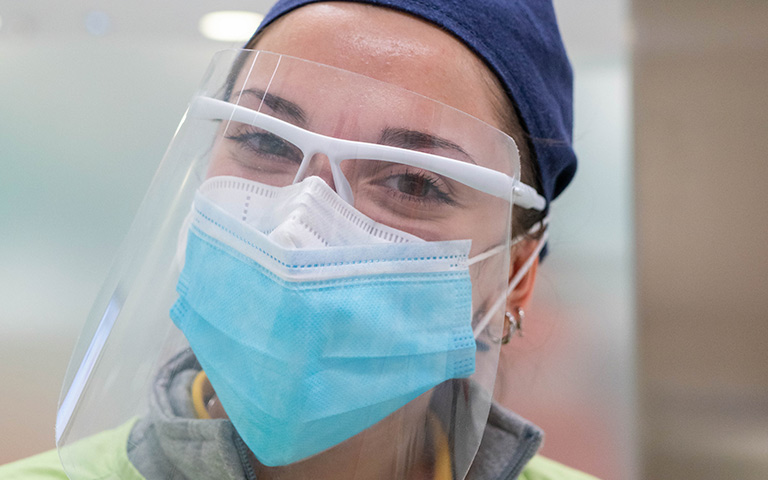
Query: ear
pixel 521 295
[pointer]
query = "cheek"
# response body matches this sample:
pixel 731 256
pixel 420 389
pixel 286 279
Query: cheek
pixel 223 162
pixel 489 282
pixel 220 162
pixel 489 277
pixel 487 225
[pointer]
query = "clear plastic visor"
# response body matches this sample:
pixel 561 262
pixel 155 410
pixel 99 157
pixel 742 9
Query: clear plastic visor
pixel 331 251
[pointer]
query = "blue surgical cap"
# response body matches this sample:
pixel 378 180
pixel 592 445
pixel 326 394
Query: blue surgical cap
pixel 520 41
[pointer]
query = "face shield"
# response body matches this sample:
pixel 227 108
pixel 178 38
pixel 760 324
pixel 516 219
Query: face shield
pixel 333 252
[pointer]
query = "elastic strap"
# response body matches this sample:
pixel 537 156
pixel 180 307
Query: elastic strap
pixel 516 278
pixel 200 386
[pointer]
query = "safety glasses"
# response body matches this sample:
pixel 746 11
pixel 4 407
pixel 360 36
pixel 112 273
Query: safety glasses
pixel 280 148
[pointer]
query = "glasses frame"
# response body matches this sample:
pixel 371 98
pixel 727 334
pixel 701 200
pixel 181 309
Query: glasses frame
pixel 337 150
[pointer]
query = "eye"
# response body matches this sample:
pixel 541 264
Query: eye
pixel 414 185
pixel 266 146
pixel 417 185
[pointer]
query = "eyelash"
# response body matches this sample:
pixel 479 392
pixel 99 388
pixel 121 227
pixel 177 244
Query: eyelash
pixel 249 133
pixel 432 182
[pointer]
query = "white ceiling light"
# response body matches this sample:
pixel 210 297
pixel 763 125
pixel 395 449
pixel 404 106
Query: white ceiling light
pixel 229 26
pixel 97 23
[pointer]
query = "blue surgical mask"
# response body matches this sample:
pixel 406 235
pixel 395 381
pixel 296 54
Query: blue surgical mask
pixel 308 345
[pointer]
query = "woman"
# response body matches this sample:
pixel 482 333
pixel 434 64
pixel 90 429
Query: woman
pixel 352 262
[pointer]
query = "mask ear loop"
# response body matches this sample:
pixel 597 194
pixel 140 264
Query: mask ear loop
pixel 518 275
pixel 486 254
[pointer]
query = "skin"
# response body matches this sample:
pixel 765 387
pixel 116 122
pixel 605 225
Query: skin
pixel 405 51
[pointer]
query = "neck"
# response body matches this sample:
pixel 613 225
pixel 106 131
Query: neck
pixel 367 462
pixel 391 449
pixel 396 447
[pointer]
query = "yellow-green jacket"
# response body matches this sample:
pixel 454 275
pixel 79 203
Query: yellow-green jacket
pixel 172 442
pixel 109 461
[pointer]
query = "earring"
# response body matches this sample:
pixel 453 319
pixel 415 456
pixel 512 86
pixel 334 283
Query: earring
pixel 513 323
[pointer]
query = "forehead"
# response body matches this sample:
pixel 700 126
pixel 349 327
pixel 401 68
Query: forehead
pixel 389 46
pixel 342 104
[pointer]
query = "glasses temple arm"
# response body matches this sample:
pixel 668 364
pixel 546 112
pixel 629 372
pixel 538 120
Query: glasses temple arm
pixel 527 197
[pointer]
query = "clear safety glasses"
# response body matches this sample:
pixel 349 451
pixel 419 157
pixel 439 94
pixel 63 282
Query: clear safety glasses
pixel 281 153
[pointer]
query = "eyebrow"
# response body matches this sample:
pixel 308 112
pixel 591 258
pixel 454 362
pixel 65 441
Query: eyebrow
pixel 279 105
pixel 416 140
pixel 395 137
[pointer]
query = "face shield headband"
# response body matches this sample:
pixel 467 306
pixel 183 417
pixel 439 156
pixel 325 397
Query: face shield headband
pixel 346 259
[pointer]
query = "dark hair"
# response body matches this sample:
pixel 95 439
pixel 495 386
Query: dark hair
pixel 523 220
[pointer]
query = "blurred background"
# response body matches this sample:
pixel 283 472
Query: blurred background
pixel 645 348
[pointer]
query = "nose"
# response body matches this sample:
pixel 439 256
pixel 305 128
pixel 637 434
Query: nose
pixel 318 166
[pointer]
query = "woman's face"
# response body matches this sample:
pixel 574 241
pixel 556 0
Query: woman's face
pixel 408 53
pixel 404 52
